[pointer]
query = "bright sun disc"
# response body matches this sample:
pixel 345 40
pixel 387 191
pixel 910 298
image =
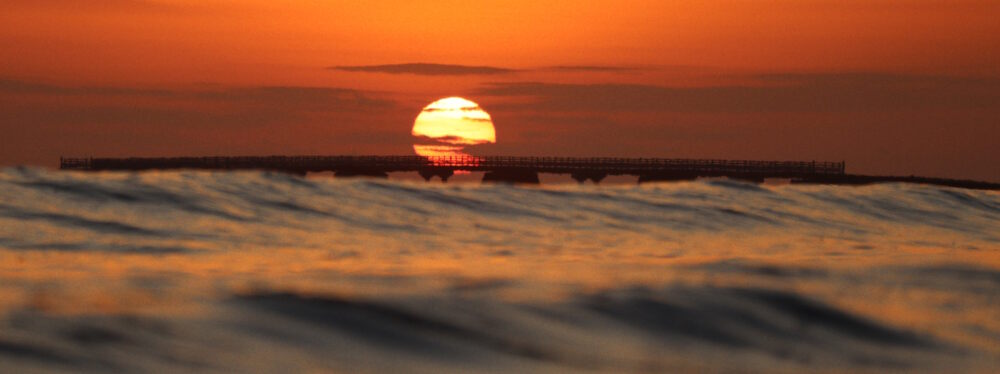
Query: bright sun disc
pixel 447 126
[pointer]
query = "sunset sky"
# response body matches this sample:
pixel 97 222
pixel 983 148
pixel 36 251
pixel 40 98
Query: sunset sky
pixel 890 86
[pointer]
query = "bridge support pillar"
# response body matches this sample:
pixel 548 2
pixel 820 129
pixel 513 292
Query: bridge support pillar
pixel 299 173
pixel 521 176
pixel 361 173
pixel 667 177
pixel 853 180
pixel 443 173
pixel 582 177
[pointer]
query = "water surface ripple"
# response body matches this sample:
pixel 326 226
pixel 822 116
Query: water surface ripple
pixel 266 272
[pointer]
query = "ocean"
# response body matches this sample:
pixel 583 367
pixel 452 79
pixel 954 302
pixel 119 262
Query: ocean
pixel 266 272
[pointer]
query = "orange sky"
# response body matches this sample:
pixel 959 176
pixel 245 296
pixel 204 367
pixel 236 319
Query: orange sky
pixel 892 86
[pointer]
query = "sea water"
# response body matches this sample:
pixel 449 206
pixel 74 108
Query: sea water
pixel 266 272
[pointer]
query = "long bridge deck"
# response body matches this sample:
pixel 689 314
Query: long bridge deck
pixel 518 169
pixel 594 168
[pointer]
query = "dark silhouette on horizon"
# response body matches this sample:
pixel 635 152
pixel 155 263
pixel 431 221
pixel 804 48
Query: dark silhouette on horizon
pixel 523 169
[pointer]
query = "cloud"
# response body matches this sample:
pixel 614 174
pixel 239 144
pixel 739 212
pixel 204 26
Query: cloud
pixel 40 122
pixel 448 139
pixel 592 68
pixel 97 5
pixel 8 85
pixel 426 69
pixel 431 69
pixel 860 92
pixel 22 87
pixel 879 123
pixel 463 109
pixel 300 98
pixel 291 98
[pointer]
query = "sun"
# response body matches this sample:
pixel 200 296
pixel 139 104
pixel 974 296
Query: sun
pixel 447 126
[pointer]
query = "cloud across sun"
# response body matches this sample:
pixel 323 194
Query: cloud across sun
pixel 447 126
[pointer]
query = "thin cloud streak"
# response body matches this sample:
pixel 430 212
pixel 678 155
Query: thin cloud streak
pixel 593 68
pixel 435 69
pixel 818 93
pixel 102 6
pixel 287 97
pixel 427 69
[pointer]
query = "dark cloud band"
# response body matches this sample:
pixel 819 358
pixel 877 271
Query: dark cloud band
pixel 464 109
pixel 818 93
pixel 426 69
pixel 431 69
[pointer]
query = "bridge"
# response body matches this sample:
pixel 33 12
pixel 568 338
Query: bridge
pixel 519 169
pixel 496 168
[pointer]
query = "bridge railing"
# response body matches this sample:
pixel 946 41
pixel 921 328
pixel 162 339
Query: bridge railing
pixel 74 163
pixel 642 164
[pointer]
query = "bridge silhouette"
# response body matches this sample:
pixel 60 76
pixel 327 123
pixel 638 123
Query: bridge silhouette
pixel 519 169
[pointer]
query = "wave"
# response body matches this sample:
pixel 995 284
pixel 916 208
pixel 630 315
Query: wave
pixel 621 329
pixel 257 271
pixel 144 204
